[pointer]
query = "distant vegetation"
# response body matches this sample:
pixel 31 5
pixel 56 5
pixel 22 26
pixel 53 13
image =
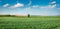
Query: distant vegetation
pixel 7 15
pixel 14 16
pixel 28 15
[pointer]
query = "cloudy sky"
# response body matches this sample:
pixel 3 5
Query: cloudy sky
pixel 33 7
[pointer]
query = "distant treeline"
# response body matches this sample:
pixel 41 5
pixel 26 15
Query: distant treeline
pixel 14 15
pixel 26 16
pixel 7 15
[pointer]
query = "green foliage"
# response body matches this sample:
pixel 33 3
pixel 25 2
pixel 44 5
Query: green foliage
pixel 28 15
pixel 38 22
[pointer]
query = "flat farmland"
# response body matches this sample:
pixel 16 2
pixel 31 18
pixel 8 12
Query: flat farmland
pixel 33 22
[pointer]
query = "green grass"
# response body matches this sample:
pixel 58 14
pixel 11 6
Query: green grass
pixel 34 22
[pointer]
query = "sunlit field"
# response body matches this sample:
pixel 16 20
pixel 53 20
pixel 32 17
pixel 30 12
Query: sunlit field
pixel 33 22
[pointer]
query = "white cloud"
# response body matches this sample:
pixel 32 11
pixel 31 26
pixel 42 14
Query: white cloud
pixel 41 7
pixel 29 8
pixel 51 6
pixel 17 5
pixel 6 5
pixel 35 6
pixel 54 2
pixel 45 7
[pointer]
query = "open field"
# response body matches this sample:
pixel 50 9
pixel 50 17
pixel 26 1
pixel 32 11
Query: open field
pixel 34 22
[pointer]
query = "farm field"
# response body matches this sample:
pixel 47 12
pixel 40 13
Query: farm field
pixel 34 22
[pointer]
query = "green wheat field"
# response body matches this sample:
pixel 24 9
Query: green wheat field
pixel 33 22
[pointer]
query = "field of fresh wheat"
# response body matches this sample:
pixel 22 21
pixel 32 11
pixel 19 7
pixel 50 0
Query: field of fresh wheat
pixel 34 22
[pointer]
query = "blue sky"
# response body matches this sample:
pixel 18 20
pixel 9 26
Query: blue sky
pixel 33 7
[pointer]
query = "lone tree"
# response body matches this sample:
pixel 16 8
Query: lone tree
pixel 28 15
